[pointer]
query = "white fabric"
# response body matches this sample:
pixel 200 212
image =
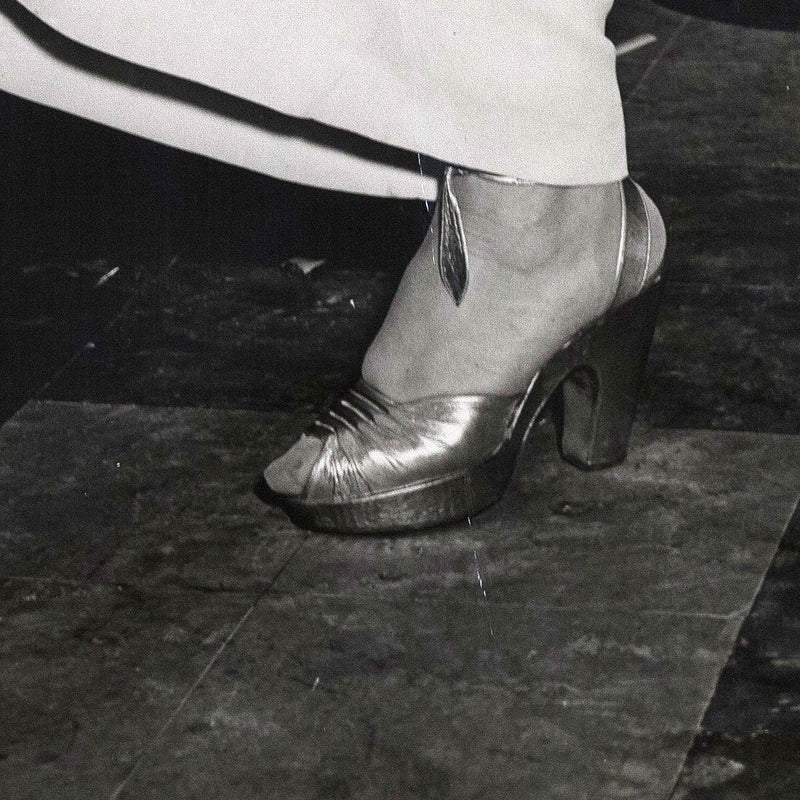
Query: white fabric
pixel 516 87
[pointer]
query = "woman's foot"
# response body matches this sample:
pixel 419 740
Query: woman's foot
pixel 542 263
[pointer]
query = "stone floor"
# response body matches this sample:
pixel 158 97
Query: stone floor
pixel 589 637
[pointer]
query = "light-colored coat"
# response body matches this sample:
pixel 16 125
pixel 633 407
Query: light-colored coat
pixel 517 87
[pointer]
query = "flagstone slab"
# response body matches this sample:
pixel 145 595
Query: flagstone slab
pixel 563 644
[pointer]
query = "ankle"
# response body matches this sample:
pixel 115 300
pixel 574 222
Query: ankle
pixel 542 262
pixel 528 227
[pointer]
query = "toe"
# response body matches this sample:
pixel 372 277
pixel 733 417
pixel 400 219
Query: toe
pixel 289 473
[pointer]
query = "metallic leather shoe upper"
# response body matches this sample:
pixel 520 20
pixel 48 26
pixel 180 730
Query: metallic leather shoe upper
pixel 636 270
pixel 453 257
pixel 371 445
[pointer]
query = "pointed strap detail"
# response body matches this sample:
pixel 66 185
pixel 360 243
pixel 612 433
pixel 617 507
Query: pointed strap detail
pixel 453 259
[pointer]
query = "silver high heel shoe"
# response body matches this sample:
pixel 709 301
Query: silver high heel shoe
pixel 386 467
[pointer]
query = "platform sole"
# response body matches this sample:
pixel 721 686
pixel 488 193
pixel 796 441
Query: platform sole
pixel 594 380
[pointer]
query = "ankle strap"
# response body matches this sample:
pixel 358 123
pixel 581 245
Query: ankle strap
pixel 507 180
pixel 633 262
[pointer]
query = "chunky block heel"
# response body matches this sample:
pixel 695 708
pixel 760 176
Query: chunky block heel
pixel 598 400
